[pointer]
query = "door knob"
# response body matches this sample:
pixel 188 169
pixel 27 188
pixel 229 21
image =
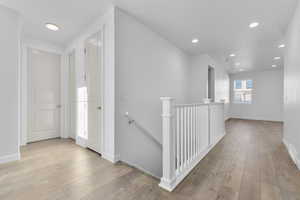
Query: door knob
pixel 99 107
pixel 58 106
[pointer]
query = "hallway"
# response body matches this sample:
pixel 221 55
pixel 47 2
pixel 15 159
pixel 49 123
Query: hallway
pixel 250 163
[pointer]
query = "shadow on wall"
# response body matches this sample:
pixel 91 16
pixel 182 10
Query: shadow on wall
pixel 132 122
pixel 140 147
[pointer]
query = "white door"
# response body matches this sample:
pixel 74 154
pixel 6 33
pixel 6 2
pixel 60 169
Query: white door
pixel 93 62
pixel 44 95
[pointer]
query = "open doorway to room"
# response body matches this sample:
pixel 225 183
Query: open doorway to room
pixel 211 84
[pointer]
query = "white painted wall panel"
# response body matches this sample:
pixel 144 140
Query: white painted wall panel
pixel 9 51
pixel 292 87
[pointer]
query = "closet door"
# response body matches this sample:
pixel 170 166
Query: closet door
pixel 93 58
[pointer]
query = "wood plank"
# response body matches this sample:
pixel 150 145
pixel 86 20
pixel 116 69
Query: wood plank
pixel 249 163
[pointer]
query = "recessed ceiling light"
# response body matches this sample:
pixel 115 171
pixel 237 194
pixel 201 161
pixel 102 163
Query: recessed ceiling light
pixel 51 27
pixel 281 46
pixel 241 70
pixel 274 65
pixel 232 55
pixel 277 58
pixel 253 25
pixel 237 64
pixel 195 40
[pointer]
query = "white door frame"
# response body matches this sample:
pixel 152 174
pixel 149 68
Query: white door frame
pixel 24 75
pixel 68 99
pixel 80 60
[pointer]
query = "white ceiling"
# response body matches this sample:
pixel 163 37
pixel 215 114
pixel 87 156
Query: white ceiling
pixel 221 26
pixel 71 15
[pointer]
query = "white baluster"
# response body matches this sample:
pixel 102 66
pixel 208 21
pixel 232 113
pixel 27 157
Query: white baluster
pixel 185 136
pixel 177 138
pixel 181 138
pixel 185 131
pixel 194 131
pixel 188 133
pixel 197 130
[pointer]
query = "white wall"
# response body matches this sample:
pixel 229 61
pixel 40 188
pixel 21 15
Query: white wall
pixel 291 88
pixel 142 67
pixel 9 51
pixel 147 67
pixel 267 98
pixel 198 77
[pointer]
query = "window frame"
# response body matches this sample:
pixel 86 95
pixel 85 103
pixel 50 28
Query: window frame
pixel 244 90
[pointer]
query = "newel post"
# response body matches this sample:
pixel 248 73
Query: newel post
pixel 168 145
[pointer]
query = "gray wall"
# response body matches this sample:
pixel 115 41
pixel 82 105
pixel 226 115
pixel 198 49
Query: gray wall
pixel 147 67
pixel 292 87
pixel 9 47
pixel 267 96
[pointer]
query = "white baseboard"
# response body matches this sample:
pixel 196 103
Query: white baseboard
pixel 36 136
pixel 84 143
pixel 293 152
pixel 111 158
pixel 255 119
pixel 81 141
pixel 10 158
pixel 140 168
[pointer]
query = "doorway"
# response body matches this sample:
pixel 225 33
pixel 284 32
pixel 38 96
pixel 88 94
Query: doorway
pixel 44 102
pixel 211 84
pixel 72 95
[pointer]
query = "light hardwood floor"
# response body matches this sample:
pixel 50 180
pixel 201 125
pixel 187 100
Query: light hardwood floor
pixel 250 163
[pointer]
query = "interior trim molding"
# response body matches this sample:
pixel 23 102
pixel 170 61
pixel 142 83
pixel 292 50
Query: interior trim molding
pixel 111 158
pixel 142 169
pixel 24 117
pixel 254 119
pixel 293 152
pixel 10 158
pixel 81 141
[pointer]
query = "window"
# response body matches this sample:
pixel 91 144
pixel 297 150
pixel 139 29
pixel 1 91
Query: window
pixel 249 84
pixel 82 112
pixel 238 84
pixel 243 91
